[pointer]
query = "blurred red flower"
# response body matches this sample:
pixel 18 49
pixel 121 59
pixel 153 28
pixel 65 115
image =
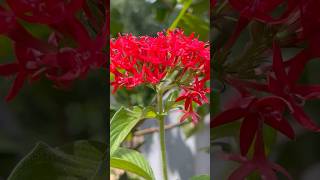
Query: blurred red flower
pixel 259 162
pixel 60 62
pixel 255 111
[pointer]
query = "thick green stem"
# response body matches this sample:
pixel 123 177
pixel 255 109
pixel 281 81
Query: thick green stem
pixel 162 136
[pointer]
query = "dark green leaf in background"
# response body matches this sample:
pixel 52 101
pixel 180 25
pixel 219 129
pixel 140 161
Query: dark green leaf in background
pixel 81 160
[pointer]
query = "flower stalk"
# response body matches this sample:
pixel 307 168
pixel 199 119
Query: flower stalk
pixel 162 135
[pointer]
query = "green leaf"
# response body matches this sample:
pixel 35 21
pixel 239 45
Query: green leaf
pixel 112 77
pixel 225 147
pixel 170 102
pixel 121 124
pixel 131 161
pixel 189 129
pixel 196 24
pixel 270 137
pixel 37 30
pixel 201 177
pixel 200 7
pixel 227 130
pixel 175 23
pixel 116 26
pixel 6 49
pixel 149 112
pixel 80 160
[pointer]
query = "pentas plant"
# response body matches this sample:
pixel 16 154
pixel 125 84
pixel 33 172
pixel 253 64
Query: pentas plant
pixel 170 61
pixel 267 90
pixel 163 62
pixel 72 49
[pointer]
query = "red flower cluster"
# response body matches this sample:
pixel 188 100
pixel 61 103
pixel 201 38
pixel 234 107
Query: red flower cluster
pixel 280 92
pixel 59 59
pixel 152 60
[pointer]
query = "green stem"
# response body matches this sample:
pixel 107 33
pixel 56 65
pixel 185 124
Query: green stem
pixel 180 16
pixel 162 136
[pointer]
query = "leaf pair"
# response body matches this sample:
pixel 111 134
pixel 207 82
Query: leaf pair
pixel 123 121
pixel 87 160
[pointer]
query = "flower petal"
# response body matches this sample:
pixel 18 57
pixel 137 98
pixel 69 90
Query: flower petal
pixel 275 86
pixel 277 65
pixel 259 151
pixel 280 169
pixel 267 173
pixel 17 85
pixel 308 91
pixel 242 23
pixel 297 64
pixel 227 117
pixel 247 132
pixel 281 125
pixel 8 69
pixel 304 119
pixel 275 102
pixel 233 157
pixel 242 172
pixel 247 84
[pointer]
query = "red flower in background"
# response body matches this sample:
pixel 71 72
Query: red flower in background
pixel 45 11
pixel 60 62
pixel 259 162
pixel 149 60
pixel 267 94
pixel 255 111
pixel 294 94
pixel 307 32
pixel 284 86
pixel 260 10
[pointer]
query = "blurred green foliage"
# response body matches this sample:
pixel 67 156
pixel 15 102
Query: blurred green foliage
pixel 146 17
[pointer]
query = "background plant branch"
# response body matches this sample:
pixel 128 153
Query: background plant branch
pixel 154 129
